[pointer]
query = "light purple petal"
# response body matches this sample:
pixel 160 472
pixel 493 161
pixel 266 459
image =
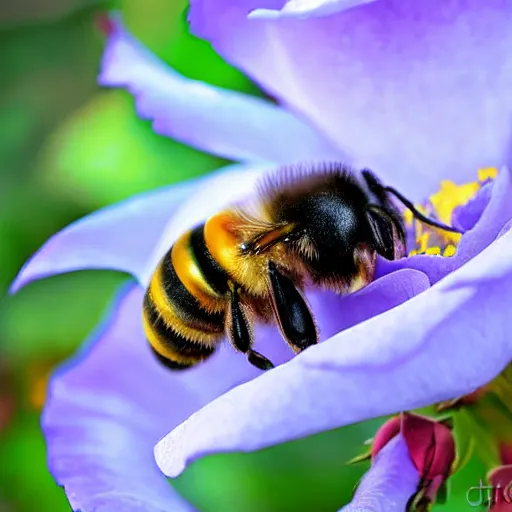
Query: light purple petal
pixel 227 123
pixel 389 483
pixel 418 90
pixel 119 237
pixel 497 211
pixel 108 407
pixel 124 236
pixel 306 9
pixel 335 313
pixel 441 344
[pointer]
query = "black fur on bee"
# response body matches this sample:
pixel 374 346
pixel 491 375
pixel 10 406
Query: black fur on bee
pixel 319 225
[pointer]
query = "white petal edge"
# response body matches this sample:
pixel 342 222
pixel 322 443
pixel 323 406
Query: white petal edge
pixel 220 121
pixel 304 9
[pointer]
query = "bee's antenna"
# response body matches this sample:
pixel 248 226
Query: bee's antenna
pixel 419 215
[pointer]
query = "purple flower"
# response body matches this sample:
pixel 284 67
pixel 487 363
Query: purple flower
pixel 418 90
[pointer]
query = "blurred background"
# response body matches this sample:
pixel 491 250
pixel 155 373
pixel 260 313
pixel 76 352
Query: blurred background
pixel 67 148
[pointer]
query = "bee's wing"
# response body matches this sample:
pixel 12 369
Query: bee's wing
pixel 261 235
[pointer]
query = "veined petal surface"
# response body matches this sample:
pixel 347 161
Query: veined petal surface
pixel 227 123
pixel 418 90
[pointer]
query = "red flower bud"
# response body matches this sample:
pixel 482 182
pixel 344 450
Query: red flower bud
pixel 501 480
pixel 431 448
pixel 431 445
pixel 385 433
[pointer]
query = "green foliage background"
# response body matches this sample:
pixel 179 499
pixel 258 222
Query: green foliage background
pixel 68 147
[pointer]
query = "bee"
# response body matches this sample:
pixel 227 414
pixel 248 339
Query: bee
pixel 320 226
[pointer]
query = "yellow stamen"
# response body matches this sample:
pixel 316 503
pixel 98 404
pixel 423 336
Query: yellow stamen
pixel 440 206
pixel 450 196
pixel 408 217
pixel 488 173
pixel 423 241
pixel 449 250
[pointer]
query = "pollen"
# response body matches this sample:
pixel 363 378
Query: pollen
pixel 440 206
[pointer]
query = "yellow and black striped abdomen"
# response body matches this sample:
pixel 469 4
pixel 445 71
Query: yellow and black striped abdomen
pixel 184 306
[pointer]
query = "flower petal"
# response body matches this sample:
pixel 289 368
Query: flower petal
pixel 493 219
pixel 400 86
pixel 433 347
pixel 108 407
pixel 120 237
pixel 389 483
pixel 227 123
pixel 335 313
pixel 306 8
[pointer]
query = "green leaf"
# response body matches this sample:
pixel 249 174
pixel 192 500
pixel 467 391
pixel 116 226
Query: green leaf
pixel 495 415
pixel 464 440
pixel 486 447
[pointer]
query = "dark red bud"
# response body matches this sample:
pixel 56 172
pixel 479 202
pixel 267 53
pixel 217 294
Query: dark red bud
pixel 431 446
pixel 501 481
pixel 385 433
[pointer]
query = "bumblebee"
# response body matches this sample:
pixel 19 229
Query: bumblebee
pixel 319 226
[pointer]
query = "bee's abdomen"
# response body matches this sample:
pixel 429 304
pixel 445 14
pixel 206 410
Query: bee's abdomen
pixel 216 277
pixel 186 306
pixel 172 349
pixel 184 317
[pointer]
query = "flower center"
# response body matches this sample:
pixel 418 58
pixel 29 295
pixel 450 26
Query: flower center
pixel 440 206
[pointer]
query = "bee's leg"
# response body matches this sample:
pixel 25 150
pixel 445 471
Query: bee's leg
pixel 292 313
pixel 240 335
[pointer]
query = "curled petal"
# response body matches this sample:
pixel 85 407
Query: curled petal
pixel 121 237
pixel 496 214
pixel 223 122
pixel 107 408
pixel 400 86
pixel 429 349
pixel 389 483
